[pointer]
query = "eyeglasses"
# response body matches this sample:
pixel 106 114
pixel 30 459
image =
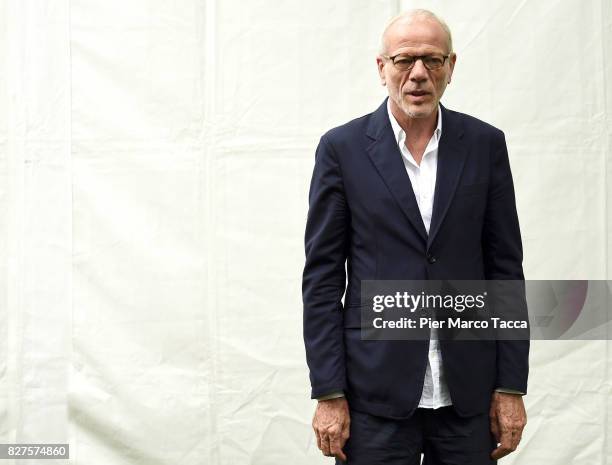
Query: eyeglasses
pixel 406 62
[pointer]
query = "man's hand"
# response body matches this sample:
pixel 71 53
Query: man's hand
pixel 331 425
pixel 508 418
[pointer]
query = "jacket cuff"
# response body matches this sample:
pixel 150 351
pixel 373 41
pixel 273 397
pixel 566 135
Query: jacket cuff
pixel 510 391
pixel 333 395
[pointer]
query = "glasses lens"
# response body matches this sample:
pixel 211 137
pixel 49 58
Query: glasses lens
pixel 403 62
pixel 433 61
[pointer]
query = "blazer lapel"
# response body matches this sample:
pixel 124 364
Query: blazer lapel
pixel 451 159
pixel 387 159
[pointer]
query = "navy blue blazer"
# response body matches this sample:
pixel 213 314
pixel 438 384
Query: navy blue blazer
pixel 363 213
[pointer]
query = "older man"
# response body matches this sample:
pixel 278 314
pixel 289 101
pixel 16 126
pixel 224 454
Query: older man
pixel 412 191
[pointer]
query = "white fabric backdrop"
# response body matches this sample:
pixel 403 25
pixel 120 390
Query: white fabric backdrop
pixel 154 165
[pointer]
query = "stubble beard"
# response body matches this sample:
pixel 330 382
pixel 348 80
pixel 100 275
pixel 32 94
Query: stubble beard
pixel 414 111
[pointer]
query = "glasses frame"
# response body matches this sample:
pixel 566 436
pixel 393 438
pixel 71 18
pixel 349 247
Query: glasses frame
pixel 416 58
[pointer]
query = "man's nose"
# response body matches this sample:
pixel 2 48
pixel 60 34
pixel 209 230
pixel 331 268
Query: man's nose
pixel 418 72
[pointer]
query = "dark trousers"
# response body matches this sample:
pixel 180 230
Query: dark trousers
pixel 442 436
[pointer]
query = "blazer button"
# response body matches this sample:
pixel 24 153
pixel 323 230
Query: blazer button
pixel 431 259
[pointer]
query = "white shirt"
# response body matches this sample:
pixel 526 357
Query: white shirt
pixel 423 179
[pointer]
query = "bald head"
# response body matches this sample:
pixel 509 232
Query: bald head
pixel 403 20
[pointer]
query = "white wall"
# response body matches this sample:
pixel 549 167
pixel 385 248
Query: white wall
pixel 154 165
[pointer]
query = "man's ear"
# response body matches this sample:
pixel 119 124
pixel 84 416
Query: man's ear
pixel 380 65
pixel 451 60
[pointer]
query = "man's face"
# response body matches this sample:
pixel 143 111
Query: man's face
pixel 415 92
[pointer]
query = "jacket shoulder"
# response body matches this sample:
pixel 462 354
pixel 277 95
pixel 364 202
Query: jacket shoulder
pixel 347 131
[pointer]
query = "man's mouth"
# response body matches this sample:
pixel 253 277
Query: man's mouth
pixel 418 93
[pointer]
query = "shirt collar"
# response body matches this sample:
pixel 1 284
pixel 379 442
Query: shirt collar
pixel 400 134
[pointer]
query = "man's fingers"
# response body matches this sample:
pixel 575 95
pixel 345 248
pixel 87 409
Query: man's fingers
pixel 346 433
pixel 340 441
pixel 318 438
pixel 509 440
pixel 500 452
pixel 505 446
pixel 335 441
pixel 336 449
pixel 495 428
pixel 516 438
pixel 325 445
pixel 517 434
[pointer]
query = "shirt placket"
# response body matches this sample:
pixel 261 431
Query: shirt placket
pixel 425 189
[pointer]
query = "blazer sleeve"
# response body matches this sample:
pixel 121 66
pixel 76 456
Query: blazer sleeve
pixel 503 257
pixel 324 276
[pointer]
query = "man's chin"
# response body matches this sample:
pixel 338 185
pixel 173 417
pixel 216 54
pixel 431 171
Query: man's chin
pixel 418 111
